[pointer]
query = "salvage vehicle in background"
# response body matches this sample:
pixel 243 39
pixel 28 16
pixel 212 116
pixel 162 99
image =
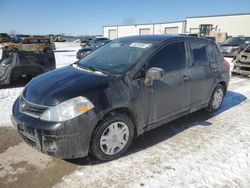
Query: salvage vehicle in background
pixel 242 62
pixel 31 43
pixel 84 42
pixel 57 38
pixel 121 90
pixel 87 50
pixel 209 31
pixel 4 37
pixel 18 38
pixel 16 64
pixel 96 40
pixel 232 46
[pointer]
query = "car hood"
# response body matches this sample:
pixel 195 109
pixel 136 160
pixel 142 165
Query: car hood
pixel 56 86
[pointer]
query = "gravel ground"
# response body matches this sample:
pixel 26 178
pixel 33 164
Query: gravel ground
pixel 198 150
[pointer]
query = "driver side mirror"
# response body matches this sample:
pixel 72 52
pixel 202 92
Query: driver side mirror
pixel 152 74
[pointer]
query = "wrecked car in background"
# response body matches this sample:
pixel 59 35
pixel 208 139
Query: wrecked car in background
pixel 96 40
pixel 35 44
pixel 87 50
pixel 16 64
pixel 242 63
pixel 233 46
pixel 121 90
pixel 4 37
pixel 84 42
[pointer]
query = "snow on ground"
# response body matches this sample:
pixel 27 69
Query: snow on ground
pixel 65 53
pixel 7 98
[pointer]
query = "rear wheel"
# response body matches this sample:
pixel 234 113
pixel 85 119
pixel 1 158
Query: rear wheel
pixel 216 98
pixel 112 137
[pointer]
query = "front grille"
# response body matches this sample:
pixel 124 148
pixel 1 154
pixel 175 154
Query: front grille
pixel 31 109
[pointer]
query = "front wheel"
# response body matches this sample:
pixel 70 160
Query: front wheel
pixel 216 98
pixel 112 137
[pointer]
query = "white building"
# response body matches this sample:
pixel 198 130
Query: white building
pixel 116 31
pixel 233 24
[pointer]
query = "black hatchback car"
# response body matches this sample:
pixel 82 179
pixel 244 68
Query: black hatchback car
pixel 131 85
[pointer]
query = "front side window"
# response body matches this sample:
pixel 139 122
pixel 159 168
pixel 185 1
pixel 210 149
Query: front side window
pixel 172 57
pixel 199 53
pixel 116 57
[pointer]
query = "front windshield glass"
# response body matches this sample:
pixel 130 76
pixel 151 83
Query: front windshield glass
pixel 235 40
pixel 116 57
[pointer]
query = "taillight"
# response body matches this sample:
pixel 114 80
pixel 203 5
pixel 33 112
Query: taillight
pixel 226 64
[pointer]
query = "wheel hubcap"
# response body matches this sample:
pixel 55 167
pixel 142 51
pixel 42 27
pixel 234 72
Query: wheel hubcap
pixel 218 97
pixel 114 138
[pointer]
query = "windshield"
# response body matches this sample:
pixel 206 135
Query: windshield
pixel 236 40
pixel 116 57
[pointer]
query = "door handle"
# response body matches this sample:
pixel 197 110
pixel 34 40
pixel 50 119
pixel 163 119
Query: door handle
pixel 185 77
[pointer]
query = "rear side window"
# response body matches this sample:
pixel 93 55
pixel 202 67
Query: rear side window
pixel 172 57
pixel 199 53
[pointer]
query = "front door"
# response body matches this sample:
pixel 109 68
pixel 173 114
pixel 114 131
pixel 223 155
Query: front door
pixel 170 95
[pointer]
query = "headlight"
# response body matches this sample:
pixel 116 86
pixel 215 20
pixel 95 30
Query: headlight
pixel 67 110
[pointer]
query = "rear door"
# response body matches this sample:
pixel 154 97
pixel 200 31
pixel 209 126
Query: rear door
pixel 170 95
pixel 201 73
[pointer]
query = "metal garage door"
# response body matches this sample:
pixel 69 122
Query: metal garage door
pixel 112 34
pixel 171 30
pixel 145 31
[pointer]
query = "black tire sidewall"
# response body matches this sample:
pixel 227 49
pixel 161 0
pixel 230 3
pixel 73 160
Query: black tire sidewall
pixel 210 107
pixel 97 133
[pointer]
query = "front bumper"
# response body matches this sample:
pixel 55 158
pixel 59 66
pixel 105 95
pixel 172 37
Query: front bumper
pixel 64 140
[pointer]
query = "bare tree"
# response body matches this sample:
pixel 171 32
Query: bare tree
pixel 12 32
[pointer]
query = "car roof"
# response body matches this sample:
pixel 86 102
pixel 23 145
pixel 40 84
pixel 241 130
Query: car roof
pixel 158 38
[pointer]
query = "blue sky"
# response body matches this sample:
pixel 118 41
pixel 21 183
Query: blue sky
pixel 87 17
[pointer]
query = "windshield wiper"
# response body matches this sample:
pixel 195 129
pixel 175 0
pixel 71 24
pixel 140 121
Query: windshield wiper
pixel 94 69
pixel 91 68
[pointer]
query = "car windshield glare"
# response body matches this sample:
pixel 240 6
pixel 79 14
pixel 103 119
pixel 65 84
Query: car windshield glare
pixel 116 57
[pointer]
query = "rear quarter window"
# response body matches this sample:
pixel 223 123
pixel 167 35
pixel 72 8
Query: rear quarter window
pixel 199 53
pixel 213 58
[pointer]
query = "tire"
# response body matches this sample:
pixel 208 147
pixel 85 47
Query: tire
pixel 216 98
pixel 106 144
